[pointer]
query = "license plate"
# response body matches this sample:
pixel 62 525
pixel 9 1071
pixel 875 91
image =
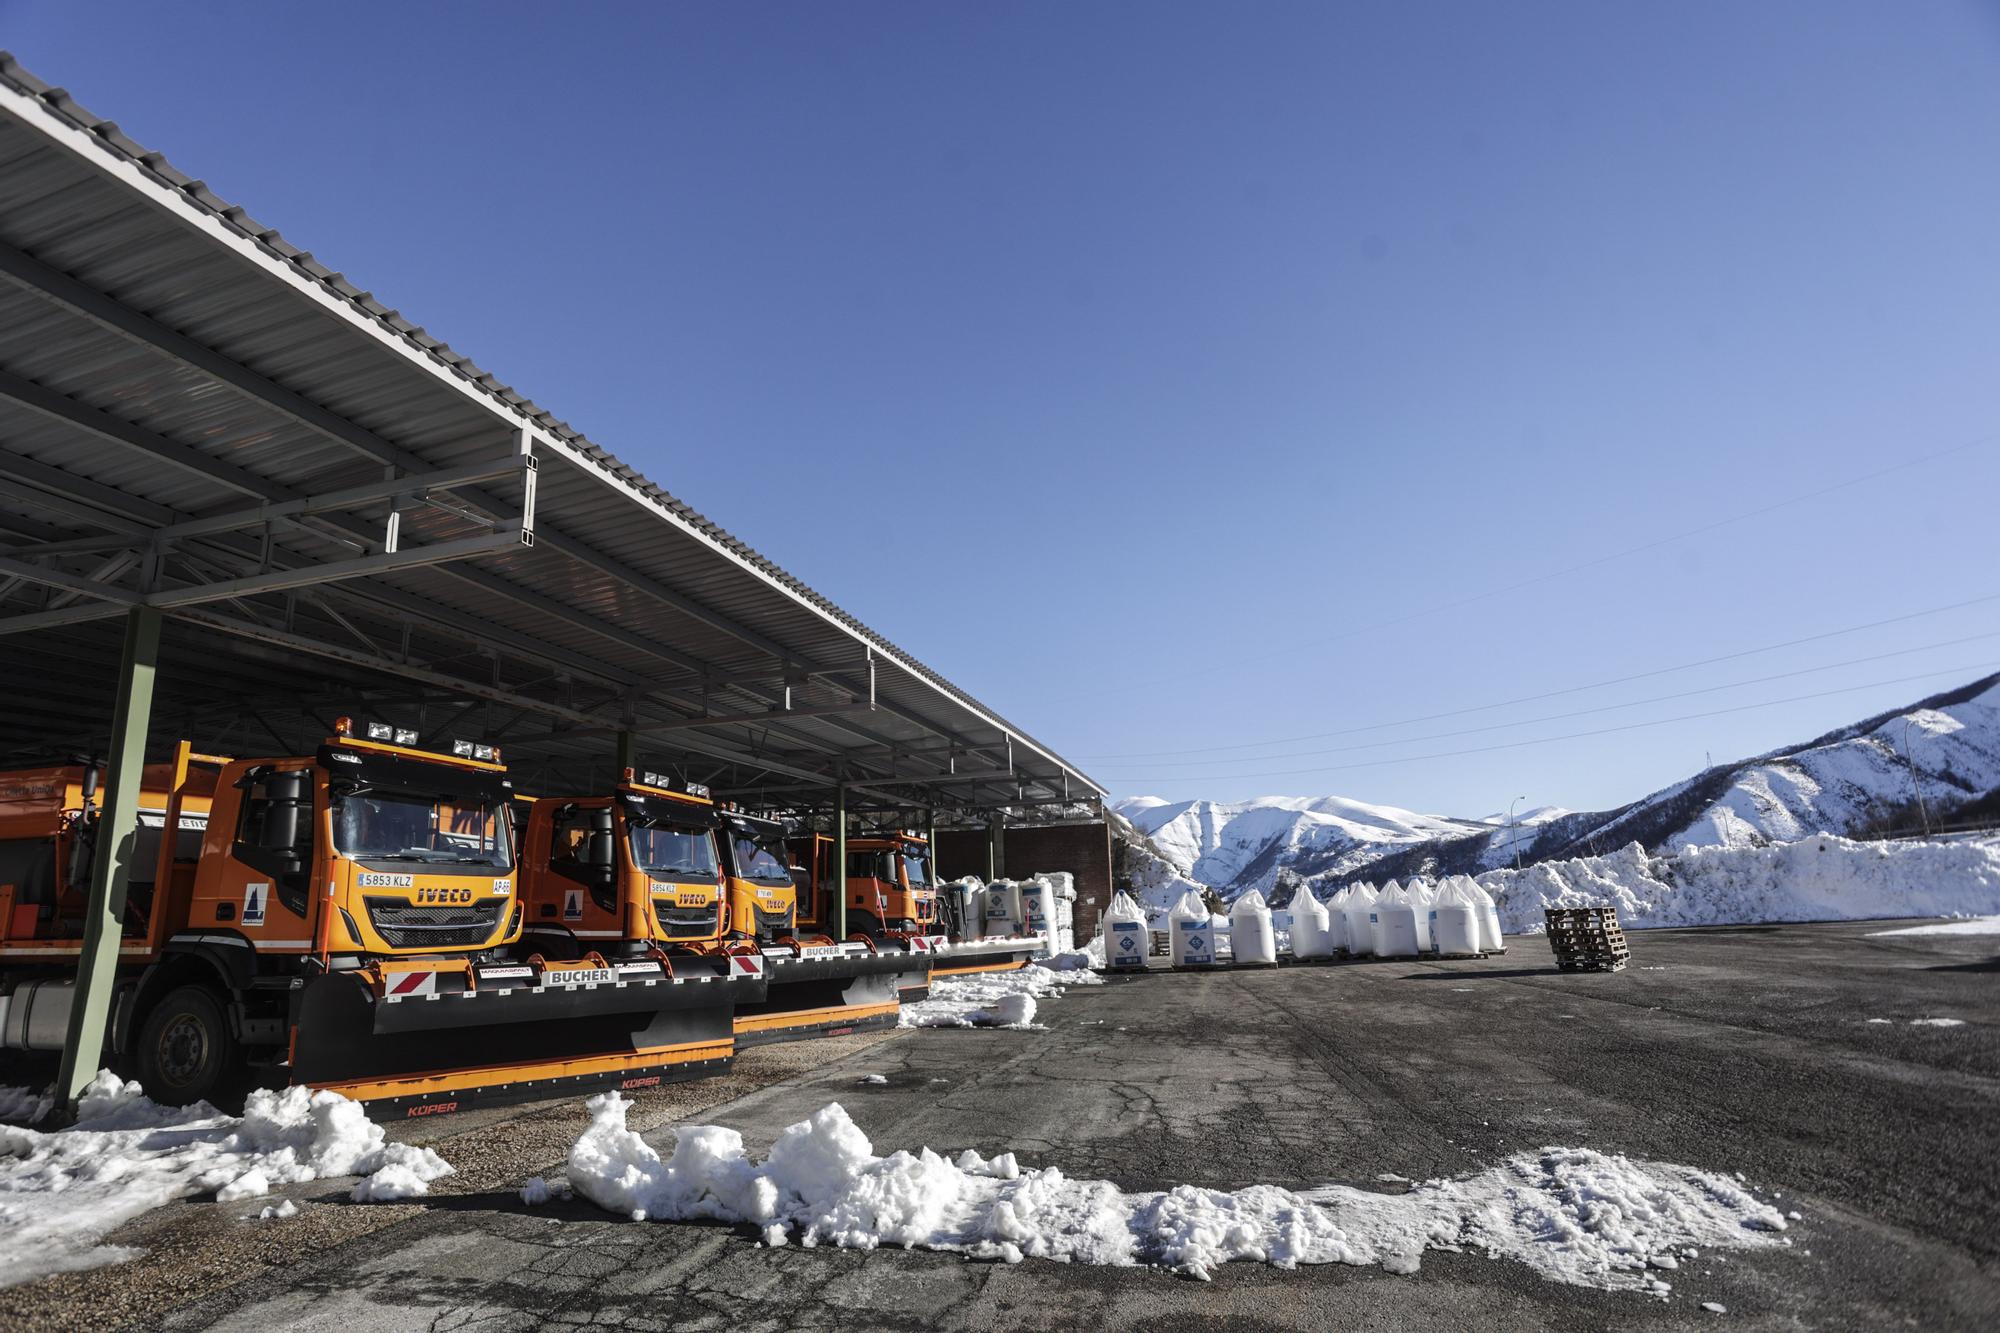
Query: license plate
pixel 579 976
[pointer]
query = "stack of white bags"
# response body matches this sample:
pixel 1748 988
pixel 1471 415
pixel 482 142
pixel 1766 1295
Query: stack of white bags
pixel 1454 918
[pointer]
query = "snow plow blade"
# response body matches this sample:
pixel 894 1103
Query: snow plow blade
pixel 431 1039
pixel 823 995
pixel 1002 955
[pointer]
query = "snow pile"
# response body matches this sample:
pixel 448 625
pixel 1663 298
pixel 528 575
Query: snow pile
pixel 23 1106
pixel 991 999
pixel 1085 959
pixel 60 1193
pixel 1573 1215
pixel 1822 878
pixel 1978 925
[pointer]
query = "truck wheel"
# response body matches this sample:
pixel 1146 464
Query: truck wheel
pixel 184 1046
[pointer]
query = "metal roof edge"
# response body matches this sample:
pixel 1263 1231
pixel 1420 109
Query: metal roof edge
pixel 71 126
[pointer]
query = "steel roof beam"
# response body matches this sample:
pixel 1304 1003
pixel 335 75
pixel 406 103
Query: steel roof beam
pixel 304 644
pixel 235 520
pixel 31 273
pixel 110 313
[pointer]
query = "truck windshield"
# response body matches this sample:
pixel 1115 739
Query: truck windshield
pixel 755 861
pixel 917 867
pixel 371 824
pixel 672 852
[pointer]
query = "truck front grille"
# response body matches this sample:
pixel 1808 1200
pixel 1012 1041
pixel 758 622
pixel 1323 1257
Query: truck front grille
pixel 403 925
pixel 688 923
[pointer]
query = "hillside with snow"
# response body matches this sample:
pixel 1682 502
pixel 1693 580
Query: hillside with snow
pixel 1924 763
pixel 1241 845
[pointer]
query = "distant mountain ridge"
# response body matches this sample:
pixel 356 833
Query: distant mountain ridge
pixel 1938 755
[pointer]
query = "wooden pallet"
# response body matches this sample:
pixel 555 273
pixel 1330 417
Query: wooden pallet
pixel 1587 939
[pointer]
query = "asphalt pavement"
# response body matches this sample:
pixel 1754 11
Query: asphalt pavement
pixel 1732 1049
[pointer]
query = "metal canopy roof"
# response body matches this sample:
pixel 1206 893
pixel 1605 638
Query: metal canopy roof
pixel 337 511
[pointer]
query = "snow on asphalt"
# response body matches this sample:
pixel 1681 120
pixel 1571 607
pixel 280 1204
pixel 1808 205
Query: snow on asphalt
pixel 1572 1214
pixel 62 1192
pixel 992 999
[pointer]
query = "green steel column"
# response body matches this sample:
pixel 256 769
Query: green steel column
pixel 111 867
pixel 840 862
pixel 994 856
pixel 627 754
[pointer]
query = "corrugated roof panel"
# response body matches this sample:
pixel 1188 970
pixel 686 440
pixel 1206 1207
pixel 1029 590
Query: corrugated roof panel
pixel 67 206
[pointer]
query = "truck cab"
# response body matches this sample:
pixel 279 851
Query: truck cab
pixel 625 873
pixel 757 869
pixel 889 886
pixel 367 859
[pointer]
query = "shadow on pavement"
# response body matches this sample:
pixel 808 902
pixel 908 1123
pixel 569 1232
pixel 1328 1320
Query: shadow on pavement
pixel 1484 975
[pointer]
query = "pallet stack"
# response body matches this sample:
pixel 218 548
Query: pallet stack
pixel 1587 939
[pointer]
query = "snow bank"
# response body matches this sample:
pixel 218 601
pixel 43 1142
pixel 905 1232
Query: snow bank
pixel 61 1192
pixel 1978 925
pixel 991 999
pixel 1821 878
pixel 24 1106
pixel 1573 1215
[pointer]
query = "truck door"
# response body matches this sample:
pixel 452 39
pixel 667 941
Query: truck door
pixel 259 867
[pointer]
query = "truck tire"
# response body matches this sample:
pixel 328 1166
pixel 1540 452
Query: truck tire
pixel 184 1047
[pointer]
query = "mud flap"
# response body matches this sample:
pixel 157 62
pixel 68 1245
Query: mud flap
pixel 826 996
pixel 431 1053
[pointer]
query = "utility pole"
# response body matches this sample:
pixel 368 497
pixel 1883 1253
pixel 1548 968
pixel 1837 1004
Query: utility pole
pixel 1517 831
pixel 1916 790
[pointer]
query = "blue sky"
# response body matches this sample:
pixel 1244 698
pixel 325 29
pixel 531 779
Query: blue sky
pixel 1189 376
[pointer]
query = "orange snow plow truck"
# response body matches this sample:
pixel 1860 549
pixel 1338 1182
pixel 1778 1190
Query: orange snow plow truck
pixel 892 899
pixel 350 918
pixel 658 870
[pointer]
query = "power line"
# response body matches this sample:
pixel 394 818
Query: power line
pixel 1640 549
pixel 1549 694
pixel 1589 712
pixel 1571 736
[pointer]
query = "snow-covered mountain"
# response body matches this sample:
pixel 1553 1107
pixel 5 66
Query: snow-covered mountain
pixel 1241 845
pixel 1923 762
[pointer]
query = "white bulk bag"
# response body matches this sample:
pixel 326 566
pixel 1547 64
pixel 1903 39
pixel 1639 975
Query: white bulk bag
pixel 1336 922
pixel 1251 934
pixel 1127 941
pixel 1312 926
pixel 1394 923
pixel 1038 905
pixel 1360 925
pixel 1490 940
pixel 1003 909
pixel 1191 933
pixel 1418 894
pixel 1454 922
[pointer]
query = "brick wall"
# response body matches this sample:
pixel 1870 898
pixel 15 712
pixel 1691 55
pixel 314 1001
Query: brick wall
pixel 1083 849
pixel 961 852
